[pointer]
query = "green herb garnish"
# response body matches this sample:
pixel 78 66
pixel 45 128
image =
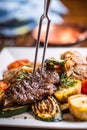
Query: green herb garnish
pixel 67 81
pixel 22 75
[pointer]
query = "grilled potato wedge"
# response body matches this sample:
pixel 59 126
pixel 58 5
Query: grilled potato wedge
pixel 78 106
pixel 63 94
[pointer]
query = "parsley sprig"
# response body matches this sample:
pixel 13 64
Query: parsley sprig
pixel 22 75
pixel 67 81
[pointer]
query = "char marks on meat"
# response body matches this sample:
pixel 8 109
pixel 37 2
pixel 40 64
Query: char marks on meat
pixel 25 91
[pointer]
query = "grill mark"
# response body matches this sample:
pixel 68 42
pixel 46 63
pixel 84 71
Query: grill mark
pixel 25 92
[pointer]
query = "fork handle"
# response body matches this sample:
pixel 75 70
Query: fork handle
pixel 46 7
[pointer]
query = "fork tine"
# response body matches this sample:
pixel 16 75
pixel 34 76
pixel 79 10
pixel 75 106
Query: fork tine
pixel 45 46
pixel 45 15
pixel 37 44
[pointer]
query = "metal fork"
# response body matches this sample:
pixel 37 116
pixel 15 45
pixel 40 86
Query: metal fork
pixel 44 16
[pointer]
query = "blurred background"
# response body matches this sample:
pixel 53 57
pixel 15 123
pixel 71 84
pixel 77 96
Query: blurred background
pixel 19 21
pixel 77 11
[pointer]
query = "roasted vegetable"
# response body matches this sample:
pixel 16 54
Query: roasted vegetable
pixel 1 97
pixel 47 109
pixel 8 112
pixel 78 106
pixel 67 81
pixel 17 74
pixel 84 87
pixel 53 63
pixel 3 86
pixel 64 92
pixel 64 107
pixel 18 63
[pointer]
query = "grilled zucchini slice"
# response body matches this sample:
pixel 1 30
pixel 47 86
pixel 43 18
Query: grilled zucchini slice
pixel 47 109
pixel 11 111
pixel 78 106
pixel 53 61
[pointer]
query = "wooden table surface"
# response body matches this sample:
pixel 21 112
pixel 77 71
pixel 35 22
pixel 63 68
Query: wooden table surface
pixel 77 14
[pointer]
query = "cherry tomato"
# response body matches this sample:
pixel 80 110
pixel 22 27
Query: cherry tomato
pixel 17 63
pixel 57 66
pixel 84 87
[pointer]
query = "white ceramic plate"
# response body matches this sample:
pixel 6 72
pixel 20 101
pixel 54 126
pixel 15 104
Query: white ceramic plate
pixel 8 55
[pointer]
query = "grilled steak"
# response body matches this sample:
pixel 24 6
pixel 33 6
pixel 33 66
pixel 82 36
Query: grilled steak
pixel 25 91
